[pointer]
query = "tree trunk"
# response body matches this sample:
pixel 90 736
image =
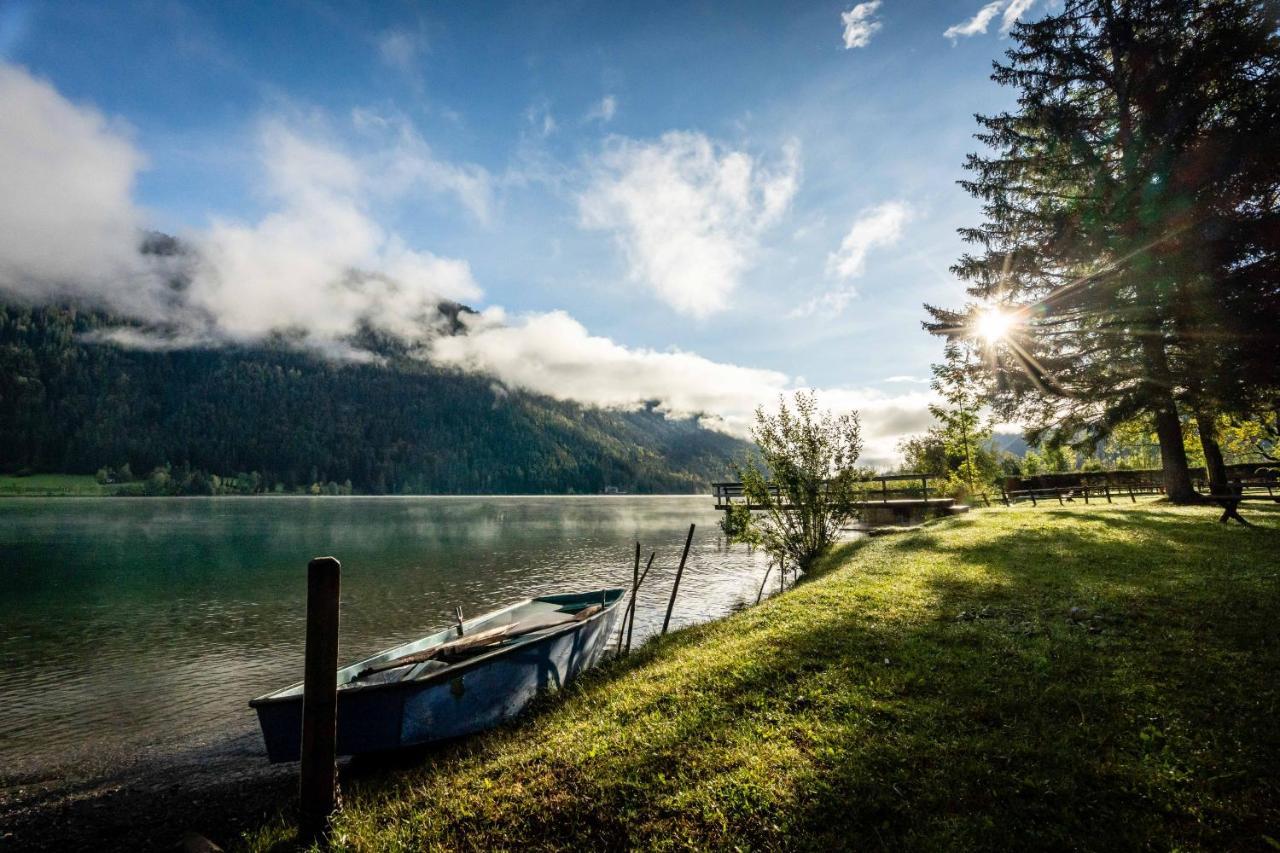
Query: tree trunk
pixel 1212 453
pixel 1173 454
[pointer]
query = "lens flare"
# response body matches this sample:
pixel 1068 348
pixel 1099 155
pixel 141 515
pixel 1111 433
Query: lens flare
pixel 993 325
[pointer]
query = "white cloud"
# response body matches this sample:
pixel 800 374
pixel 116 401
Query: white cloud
pixel 1013 10
pixel 829 304
pixel 554 354
pixel 539 117
pixel 912 379
pixel 687 213
pixel 401 48
pixel 319 262
pixel 603 111
pixel 68 223
pixel 860 24
pixel 874 227
pixel 402 161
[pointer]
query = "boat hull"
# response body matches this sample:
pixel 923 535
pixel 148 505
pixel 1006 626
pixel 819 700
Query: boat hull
pixel 467 698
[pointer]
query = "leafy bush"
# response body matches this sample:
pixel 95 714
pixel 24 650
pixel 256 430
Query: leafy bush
pixel 809 486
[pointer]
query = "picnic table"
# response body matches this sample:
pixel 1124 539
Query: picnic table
pixel 1230 500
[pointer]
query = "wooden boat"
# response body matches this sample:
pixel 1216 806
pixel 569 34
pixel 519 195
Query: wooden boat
pixel 457 681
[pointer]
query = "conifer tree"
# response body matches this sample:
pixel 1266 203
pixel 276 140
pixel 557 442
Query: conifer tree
pixel 1130 213
pixel 964 431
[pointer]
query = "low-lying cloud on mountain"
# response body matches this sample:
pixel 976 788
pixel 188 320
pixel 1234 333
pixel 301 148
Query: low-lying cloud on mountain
pixel 320 265
pixel 554 354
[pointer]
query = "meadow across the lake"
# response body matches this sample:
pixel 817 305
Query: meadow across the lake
pixel 1099 677
pixel 52 485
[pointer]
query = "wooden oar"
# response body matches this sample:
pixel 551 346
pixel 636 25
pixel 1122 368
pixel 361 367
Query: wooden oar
pixel 484 639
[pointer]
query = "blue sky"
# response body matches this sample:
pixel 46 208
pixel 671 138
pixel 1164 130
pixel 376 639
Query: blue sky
pixel 757 185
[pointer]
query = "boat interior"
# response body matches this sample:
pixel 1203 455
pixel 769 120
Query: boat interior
pixel 517 624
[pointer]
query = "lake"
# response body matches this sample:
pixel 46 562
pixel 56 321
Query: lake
pixel 135 627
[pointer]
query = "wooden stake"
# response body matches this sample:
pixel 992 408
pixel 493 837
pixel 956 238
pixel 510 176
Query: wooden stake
pixel 767 570
pixel 675 587
pixel 318 775
pixel 631 611
pixel 635 585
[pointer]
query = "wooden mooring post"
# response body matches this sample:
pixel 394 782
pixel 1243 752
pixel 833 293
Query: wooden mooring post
pixel 675 587
pixel 318 775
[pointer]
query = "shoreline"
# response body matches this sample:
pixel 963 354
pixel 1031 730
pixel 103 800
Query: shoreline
pixel 147 803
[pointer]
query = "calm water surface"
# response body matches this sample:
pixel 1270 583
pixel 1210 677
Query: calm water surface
pixel 136 626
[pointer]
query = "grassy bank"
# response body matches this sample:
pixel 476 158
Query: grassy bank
pixel 53 485
pixel 1087 678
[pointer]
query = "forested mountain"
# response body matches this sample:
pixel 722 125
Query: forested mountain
pixel 276 418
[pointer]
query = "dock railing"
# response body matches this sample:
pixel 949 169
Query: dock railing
pixel 879 489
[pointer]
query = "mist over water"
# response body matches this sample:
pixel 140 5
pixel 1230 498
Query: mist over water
pixel 136 627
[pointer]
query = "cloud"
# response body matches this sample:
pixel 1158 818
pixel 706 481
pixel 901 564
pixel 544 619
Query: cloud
pixel 860 24
pixel 539 117
pixel 318 265
pixel 401 161
pixel 687 213
pixel 401 49
pixel 604 111
pixel 874 227
pixel 554 354
pixel 912 379
pixel 1013 10
pixel 68 223
pixel 319 262
pixel 829 304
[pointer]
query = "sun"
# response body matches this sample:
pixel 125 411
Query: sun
pixel 993 325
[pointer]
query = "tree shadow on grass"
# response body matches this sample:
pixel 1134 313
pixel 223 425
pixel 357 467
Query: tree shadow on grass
pixel 1125 699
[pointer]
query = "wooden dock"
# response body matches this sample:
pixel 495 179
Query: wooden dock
pixel 901 494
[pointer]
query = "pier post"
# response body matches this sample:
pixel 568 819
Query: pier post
pixel 318 775
pixel 676 586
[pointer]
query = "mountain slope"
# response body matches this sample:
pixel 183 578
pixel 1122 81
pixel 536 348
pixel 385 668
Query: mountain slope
pixel 296 419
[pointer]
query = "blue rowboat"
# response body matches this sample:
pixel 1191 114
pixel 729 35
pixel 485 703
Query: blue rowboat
pixel 455 682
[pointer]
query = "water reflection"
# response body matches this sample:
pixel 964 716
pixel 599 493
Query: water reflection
pixel 136 625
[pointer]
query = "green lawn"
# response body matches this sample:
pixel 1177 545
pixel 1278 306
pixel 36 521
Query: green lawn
pixel 37 485
pixel 1103 677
